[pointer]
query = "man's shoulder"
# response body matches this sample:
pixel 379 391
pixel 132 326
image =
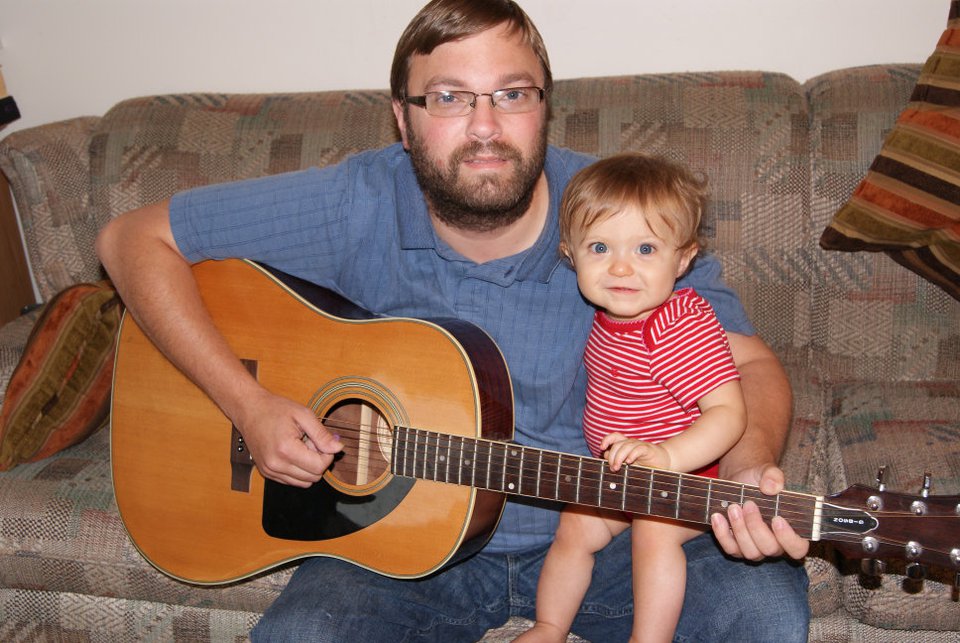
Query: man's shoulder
pixel 563 162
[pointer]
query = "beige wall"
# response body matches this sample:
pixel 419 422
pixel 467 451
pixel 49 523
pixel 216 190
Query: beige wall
pixel 64 58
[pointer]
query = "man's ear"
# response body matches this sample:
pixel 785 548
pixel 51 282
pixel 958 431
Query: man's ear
pixel 400 115
pixel 687 255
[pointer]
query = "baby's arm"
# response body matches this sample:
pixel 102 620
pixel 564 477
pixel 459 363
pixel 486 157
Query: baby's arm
pixel 721 423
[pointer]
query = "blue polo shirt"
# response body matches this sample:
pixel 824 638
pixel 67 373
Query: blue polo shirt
pixel 361 228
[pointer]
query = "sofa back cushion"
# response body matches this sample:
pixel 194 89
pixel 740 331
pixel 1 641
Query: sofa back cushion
pixel 746 131
pixel 873 319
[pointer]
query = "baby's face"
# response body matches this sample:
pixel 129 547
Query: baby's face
pixel 623 267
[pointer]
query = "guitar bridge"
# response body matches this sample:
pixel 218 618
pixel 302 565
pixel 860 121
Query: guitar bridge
pixel 241 462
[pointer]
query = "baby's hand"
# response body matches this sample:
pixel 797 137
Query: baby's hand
pixel 621 450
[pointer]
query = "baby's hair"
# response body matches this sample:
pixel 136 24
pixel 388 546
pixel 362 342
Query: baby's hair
pixel 669 196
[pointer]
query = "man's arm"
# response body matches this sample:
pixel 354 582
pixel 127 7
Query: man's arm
pixel 157 286
pixel 769 400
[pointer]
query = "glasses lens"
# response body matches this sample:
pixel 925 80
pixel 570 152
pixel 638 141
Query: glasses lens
pixel 449 103
pixel 516 100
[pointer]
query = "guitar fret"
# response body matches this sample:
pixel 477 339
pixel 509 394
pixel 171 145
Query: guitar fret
pixel 503 471
pixel 556 484
pixel 579 477
pixel 523 453
pixel 460 463
pixel 650 494
pixel 676 503
pixel 623 491
pixel 603 468
pixel 447 462
pixel 539 470
pixel 395 451
pixel 489 459
pixel 706 509
pixel 415 454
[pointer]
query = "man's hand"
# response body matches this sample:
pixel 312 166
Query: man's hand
pixel 287 441
pixel 742 532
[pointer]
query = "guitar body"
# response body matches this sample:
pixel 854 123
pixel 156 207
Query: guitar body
pixel 196 507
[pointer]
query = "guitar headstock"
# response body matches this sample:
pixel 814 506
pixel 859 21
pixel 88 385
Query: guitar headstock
pixel 877 524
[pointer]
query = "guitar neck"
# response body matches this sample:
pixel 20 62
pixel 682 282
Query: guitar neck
pixel 549 475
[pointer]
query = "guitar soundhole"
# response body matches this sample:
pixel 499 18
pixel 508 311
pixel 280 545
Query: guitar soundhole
pixel 366 436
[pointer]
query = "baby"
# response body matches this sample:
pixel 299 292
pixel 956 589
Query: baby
pixel 662 391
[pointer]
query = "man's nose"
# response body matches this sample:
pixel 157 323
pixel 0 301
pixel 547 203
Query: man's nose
pixel 484 120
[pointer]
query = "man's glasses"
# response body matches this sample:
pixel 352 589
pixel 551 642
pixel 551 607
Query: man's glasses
pixel 513 100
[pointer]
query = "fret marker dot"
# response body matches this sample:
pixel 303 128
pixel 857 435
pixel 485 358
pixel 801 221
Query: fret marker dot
pixel 664 494
pixel 567 478
pixel 510 486
pixel 442 458
pixel 613 485
pixel 513 452
pixel 724 504
pixel 466 462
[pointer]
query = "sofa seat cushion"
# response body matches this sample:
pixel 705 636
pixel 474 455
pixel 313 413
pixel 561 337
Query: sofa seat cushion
pixel 60 532
pixel 911 429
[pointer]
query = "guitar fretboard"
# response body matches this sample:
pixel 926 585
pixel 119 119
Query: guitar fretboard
pixel 549 475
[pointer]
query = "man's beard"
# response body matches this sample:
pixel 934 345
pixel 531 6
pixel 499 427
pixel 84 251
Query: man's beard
pixel 486 203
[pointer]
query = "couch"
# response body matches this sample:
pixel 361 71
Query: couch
pixel 872 349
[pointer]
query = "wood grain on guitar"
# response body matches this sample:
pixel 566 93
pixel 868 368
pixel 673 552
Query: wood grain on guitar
pixel 425 411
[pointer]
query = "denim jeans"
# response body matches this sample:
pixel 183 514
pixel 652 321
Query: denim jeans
pixel 726 600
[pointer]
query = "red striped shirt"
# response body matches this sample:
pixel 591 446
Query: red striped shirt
pixel 645 376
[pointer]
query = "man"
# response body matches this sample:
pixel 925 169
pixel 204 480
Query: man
pixel 459 220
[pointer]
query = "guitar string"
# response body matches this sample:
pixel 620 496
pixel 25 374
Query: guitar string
pixel 718 486
pixel 791 511
pixel 694 488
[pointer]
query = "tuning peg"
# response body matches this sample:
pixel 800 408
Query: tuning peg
pixel 873 567
pixel 881 476
pixel 916 571
pixel 927 483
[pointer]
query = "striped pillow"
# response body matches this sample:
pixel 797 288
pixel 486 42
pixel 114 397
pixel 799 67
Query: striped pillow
pixel 59 394
pixel 908 205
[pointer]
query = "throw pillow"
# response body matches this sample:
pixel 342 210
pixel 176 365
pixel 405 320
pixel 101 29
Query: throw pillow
pixel 59 393
pixel 909 203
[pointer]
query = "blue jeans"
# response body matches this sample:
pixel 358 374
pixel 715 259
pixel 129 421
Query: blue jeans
pixel 726 600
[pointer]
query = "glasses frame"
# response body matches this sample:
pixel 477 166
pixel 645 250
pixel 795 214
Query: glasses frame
pixel 421 100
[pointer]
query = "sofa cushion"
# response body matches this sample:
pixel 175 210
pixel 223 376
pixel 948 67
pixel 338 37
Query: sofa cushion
pixel 909 203
pixel 911 429
pixel 871 319
pixel 60 531
pixel 59 392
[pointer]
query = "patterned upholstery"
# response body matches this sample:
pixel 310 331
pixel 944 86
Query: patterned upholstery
pixel 872 350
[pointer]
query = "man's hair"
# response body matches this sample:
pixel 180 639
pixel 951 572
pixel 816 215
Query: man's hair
pixel 667 194
pixel 443 21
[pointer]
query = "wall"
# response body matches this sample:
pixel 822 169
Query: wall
pixel 65 58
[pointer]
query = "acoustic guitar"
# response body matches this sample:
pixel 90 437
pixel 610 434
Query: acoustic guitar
pixel 425 411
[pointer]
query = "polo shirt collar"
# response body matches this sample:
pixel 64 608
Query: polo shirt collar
pixel 536 263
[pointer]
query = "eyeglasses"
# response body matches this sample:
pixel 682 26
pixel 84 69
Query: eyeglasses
pixel 512 100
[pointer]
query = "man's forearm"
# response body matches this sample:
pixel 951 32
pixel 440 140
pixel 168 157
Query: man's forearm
pixel 769 401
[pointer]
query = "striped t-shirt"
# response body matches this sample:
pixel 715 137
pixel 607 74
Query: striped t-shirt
pixel 645 376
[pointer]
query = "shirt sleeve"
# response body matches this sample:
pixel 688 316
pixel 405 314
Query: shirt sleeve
pixel 690 355
pixel 706 278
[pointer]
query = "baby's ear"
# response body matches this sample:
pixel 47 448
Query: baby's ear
pixel 565 251
pixel 687 255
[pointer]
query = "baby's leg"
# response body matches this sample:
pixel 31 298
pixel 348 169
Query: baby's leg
pixel 567 570
pixel 659 577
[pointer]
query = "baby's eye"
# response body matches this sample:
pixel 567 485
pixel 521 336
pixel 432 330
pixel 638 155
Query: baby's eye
pixel 646 249
pixel 598 247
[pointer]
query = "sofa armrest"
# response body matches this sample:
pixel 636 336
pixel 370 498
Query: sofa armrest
pixel 48 168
